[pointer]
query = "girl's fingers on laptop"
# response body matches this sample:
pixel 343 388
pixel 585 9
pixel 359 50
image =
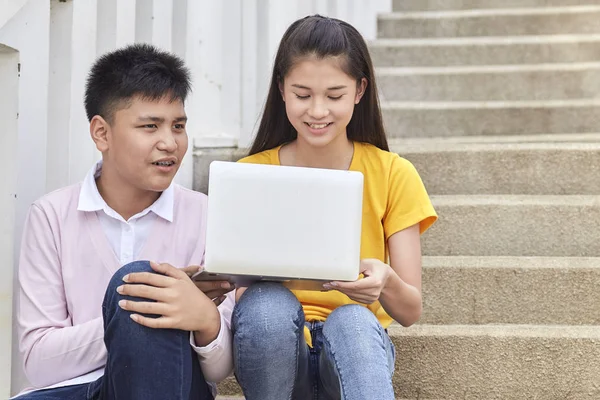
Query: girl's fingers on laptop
pixel 219 300
pixel 214 289
pixel 239 292
pixel 191 270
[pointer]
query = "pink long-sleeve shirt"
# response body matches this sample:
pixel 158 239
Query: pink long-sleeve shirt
pixel 65 266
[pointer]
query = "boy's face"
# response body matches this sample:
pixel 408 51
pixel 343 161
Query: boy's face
pixel 146 143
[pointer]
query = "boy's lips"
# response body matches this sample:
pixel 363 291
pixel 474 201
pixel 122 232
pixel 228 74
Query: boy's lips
pixel 166 165
pixel 165 162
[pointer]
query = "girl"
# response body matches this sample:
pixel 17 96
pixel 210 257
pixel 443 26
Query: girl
pixel 322 111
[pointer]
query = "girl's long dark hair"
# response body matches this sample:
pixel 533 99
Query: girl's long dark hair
pixel 322 37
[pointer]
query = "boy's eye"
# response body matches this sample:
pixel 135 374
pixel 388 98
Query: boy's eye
pixel 150 126
pixel 179 126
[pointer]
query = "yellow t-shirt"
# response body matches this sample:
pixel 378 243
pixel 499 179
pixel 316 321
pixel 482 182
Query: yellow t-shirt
pixel 394 198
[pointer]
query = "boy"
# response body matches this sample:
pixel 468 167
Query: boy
pixel 91 328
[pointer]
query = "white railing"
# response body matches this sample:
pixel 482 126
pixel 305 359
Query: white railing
pixel 229 46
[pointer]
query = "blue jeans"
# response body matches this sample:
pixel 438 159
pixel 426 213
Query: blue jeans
pixel 143 363
pixel 352 357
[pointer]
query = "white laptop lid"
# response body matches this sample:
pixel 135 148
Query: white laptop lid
pixel 283 222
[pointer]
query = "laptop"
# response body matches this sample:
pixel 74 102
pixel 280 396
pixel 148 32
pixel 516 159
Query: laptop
pixel 281 223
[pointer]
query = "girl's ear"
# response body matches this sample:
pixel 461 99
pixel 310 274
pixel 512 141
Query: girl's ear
pixel 99 130
pixel 360 90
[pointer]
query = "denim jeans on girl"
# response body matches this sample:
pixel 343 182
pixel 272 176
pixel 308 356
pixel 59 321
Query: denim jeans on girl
pixel 352 357
pixel 142 364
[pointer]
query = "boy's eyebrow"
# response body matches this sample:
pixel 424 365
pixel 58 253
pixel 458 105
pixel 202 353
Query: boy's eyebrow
pixel 296 85
pixel 150 118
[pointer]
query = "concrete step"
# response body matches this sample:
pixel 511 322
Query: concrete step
pixel 497 362
pixel 492 362
pixel 537 164
pixel 485 50
pixel 511 290
pixel 497 82
pixel 518 167
pixel 438 5
pixel 438 119
pixel 491 22
pixel 510 225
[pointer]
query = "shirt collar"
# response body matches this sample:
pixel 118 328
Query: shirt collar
pixel 91 200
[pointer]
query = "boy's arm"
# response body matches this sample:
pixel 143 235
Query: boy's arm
pixel 216 358
pixel 53 349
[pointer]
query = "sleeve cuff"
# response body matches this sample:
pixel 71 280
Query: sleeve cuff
pixel 221 338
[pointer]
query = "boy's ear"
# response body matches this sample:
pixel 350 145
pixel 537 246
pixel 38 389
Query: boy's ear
pixel 99 129
pixel 361 87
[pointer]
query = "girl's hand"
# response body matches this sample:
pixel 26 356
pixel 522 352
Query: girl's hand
pixel 368 289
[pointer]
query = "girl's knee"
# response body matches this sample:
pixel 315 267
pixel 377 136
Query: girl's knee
pixel 351 312
pixel 351 320
pixel 269 295
pixel 269 306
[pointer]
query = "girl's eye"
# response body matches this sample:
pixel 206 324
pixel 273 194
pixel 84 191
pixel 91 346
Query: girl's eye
pixel 302 97
pixel 336 97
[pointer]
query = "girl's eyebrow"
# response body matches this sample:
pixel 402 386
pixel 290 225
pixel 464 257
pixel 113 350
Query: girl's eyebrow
pixel 331 88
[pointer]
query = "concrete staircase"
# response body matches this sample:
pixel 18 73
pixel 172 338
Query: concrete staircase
pixel 497 103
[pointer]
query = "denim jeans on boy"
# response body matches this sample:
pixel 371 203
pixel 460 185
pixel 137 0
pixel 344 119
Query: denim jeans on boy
pixel 352 356
pixel 143 363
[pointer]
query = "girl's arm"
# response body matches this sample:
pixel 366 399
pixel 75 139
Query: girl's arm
pixel 401 292
pixel 397 287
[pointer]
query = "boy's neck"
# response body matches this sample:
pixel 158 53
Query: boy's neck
pixel 121 197
pixel 336 155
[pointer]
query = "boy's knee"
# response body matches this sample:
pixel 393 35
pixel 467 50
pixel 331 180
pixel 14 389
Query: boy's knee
pixel 135 266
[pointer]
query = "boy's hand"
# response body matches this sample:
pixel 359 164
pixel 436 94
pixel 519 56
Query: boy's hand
pixel 177 301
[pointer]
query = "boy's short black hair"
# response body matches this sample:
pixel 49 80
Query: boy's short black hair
pixel 136 70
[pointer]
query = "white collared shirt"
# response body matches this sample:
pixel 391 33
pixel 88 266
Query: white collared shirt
pixel 125 237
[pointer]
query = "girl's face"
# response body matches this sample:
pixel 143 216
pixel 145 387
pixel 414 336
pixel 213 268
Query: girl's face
pixel 319 100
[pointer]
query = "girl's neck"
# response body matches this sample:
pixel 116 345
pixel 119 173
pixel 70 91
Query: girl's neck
pixel 126 200
pixel 336 155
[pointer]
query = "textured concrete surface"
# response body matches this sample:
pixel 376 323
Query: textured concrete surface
pixel 510 225
pixel 492 362
pixel 438 119
pixel 475 83
pixel 505 168
pixel 438 5
pixel 491 22
pixel 547 165
pixel 497 362
pixel 511 290
pixel 495 50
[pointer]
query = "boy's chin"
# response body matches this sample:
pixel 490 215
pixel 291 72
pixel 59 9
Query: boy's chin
pixel 158 186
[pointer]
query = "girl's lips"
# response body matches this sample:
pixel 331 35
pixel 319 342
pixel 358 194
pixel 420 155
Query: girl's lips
pixel 318 129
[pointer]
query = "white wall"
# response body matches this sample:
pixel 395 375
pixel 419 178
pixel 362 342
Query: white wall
pixel 27 32
pixel 9 84
pixel 229 46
